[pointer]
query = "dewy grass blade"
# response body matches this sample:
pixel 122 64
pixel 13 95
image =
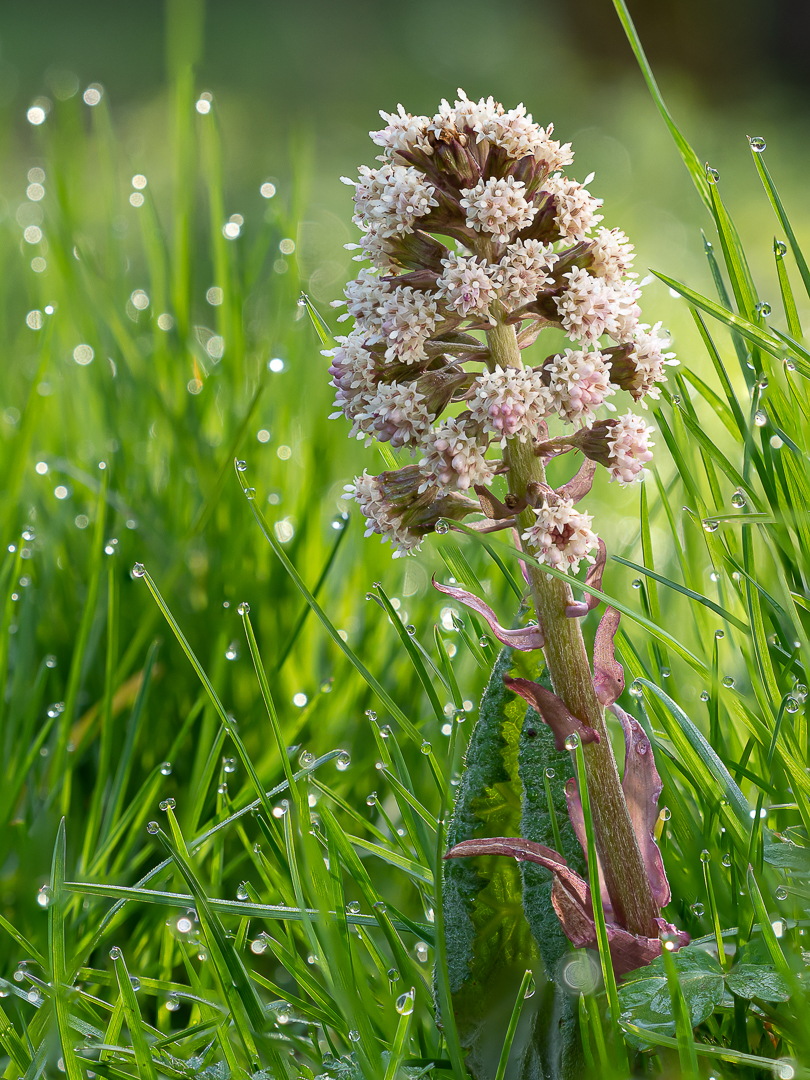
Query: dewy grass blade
pixel 56 941
pixel 514 1020
pixel 608 975
pixel 736 265
pixel 700 749
pixel 132 1014
pixel 779 210
pixel 383 694
pixel 14 1045
pixel 682 1017
pixel 397 1052
pixel 689 156
pixel 788 299
pixel 413 653
pixel 768 934
pixel 698 597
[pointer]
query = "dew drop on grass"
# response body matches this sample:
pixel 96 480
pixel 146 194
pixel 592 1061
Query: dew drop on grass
pixel 166 768
pixel 241 465
pixel 800 692
pixel 635 689
pixel 115 953
pixel 135 982
pixel 728 682
pixel 791 705
pixel 726 860
pixel 483 643
pixel 50 661
pixel 34 996
pixel 764 309
pixel 718 634
pixel 379 906
pixel 152 827
pixel 421 950
pixel 306 759
pixel 343 761
pixel 354 1036
pixel 250 494
pixel 258 946
pixel 393 975
pixel 202 956
pixel 410 629
pixel 760 418
pixel 45 896
pixel 426 747
pixel 705 855
pixel 138 570
pixel 712 175
pixel 780 248
pixel 637 583
pixel 371 714
pixel 353 907
pixel 404 1004
pixel 697 909
pixel 167 804
pixel 172 1004
pixel 244 608
pixel 257 849
pixel 757 143
pixel 222 789
pixel 781 893
pixel 665 672
pixel 710 525
pixel 738 500
pixel 229 764
pixel 242 893
pixel 665 813
pixel 232 652
pixel 704 695
pixel 371 800
pixel 550 773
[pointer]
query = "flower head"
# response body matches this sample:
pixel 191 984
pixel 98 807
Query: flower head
pixel 561 536
pixel 468 285
pixel 393 197
pixel 498 206
pixel 621 445
pixel 575 208
pixel 454 456
pixel 578 384
pixel 525 269
pixel 508 403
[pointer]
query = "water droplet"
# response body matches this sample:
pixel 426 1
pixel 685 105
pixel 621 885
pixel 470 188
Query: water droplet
pixel 166 768
pixel 45 896
pixel 764 309
pixel 354 1036
pixel 637 583
pixel 243 608
pixel 780 248
pixel 675 399
pixel 167 804
pixel 250 495
pixel 425 747
pixel 572 742
pixel 50 661
pixel 393 975
pixel 697 909
pixel 705 855
pixel 635 689
pixel 728 682
pixel 421 950
pixel 202 956
pixel 665 672
pixel 704 695
pixel 738 500
pixel 306 759
pixel 718 634
pixel 760 418
pixel 138 570
pixel 152 827
pixel 34 996
pixel 242 893
pixel 550 773
pixel 257 849
pixel 222 789
pixel 343 761
pixel 380 907
pixel 241 465
pixel 726 860
pixel 232 652
pixel 710 525
pixel 800 692
pixel 442 527
pixel 371 714
pixel 781 893
pixel 410 629
pixel 483 643
pixel 791 705
pixel 115 953
pixel 353 907
pixel 258 946
pixel 404 1004
pixel 135 982
pixel 665 813
pixel 172 1004
pixel 712 175
pixel 756 143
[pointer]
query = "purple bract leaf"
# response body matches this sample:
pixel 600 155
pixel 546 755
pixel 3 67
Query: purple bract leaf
pixel 578 824
pixel 492 507
pixel 580 608
pixel 523 568
pixel 525 639
pixel 642 788
pixel 553 712
pixel 580 483
pixel 608 673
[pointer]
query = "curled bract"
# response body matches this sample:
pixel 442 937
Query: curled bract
pixel 524 639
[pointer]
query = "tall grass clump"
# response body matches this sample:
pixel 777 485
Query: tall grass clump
pixel 238 741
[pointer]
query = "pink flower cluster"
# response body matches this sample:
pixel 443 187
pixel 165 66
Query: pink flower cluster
pixel 470 223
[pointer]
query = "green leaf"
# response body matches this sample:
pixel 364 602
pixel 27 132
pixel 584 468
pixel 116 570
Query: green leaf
pixel 56 938
pixel 486 931
pixel 757 981
pixel 644 996
pixel 132 1014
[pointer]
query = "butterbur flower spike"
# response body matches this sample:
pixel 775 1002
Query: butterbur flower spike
pixel 477 240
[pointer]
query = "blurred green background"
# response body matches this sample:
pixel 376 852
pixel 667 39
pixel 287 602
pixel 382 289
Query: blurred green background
pixel 296 88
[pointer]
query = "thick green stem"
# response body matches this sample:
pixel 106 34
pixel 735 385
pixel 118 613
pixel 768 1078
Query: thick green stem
pixel 625 875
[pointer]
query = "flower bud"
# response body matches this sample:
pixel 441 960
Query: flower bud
pixel 621 445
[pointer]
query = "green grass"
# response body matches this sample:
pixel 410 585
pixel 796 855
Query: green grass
pixel 195 872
